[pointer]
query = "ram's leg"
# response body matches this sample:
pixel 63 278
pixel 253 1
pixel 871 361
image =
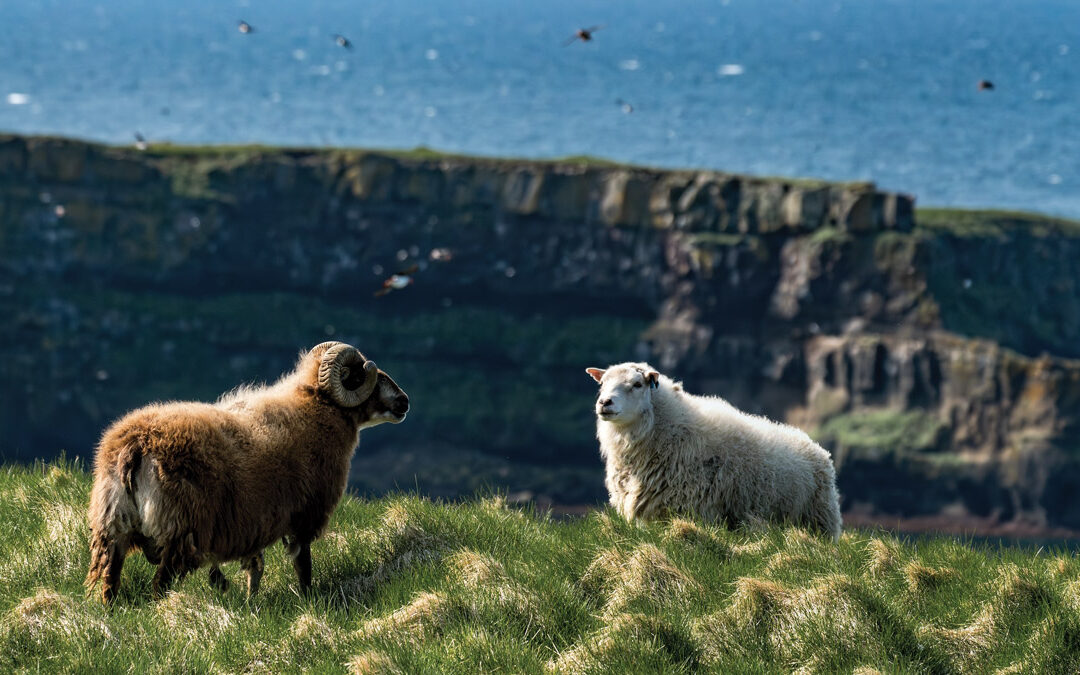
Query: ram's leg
pixel 175 564
pixel 165 573
pixel 300 552
pixel 253 567
pixel 217 579
pixel 114 565
pixel 302 565
pixel 149 548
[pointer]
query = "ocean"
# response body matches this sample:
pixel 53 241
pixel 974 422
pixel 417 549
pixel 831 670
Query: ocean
pixel 881 90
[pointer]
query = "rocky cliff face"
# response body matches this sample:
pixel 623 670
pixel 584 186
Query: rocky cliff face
pixel 930 356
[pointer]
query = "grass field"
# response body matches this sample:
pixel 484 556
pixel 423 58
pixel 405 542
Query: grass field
pixel 406 585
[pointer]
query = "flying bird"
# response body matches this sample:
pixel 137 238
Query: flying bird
pixel 985 85
pixel 441 255
pixel 342 41
pixel 140 142
pixel 396 282
pixel 244 27
pixel 583 34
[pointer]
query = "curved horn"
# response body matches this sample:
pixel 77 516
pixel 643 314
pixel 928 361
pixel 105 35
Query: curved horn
pixel 371 376
pixel 336 363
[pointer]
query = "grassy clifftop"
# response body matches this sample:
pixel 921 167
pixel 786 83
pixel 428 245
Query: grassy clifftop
pixel 407 585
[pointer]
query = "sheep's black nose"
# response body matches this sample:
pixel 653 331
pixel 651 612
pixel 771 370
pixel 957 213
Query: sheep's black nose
pixel 605 403
pixel 401 405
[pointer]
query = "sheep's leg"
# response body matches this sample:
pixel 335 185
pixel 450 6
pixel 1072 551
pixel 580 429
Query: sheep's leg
pixel 300 552
pixel 217 579
pixel 755 523
pixel 253 566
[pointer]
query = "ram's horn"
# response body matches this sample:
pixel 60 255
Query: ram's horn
pixel 337 362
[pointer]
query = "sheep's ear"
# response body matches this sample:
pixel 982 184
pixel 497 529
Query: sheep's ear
pixel 653 378
pixel 596 373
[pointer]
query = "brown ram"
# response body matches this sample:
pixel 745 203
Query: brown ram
pixel 196 483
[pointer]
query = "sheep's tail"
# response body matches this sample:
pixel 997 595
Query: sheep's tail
pixel 112 518
pixel 827 509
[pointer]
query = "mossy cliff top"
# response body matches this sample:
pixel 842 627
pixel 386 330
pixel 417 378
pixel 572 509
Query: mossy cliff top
pixel 574 188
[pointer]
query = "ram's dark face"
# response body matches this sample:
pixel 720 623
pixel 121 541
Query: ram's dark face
pixel 388 403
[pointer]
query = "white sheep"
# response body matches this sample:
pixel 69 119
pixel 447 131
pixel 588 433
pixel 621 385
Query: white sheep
pixel 668 451
pixel 199 483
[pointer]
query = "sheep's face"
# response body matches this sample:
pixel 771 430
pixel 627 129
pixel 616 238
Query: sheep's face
pixel 388 403
pixel 625 391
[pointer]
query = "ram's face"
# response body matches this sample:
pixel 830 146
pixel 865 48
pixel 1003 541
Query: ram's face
pixel 388 403
pixel 625 392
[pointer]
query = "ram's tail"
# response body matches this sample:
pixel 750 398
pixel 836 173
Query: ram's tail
pixel 113 520
pixel 99 561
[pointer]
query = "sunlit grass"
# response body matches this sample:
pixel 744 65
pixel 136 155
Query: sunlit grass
pixel 403 584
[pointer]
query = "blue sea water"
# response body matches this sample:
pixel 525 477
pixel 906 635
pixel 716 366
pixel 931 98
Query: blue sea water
pixel 842 89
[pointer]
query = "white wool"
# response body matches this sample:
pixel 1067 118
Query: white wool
pixel 668 451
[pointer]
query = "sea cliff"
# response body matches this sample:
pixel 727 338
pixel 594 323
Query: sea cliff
pixel 932 350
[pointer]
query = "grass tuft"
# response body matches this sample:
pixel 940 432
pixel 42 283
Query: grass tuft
pixel 921 578
pixel 475 570
pixel 1017 599
pixel 967 646
pixel 47 612
pixel 758 604
pixel 310 629
pixel 698 536
pixel 194 617
pixel 423 618
pixel 628 639
pixel 372 663
pixel 399 543
pixel 884 557
pixel 646 575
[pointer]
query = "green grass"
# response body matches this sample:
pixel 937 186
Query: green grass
pixel 239 154
pixel 883 431
pixel 721 239
pixel 425 153
pixel 420 152
pixel 403 584
pixel 992 223
pixel 830 235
